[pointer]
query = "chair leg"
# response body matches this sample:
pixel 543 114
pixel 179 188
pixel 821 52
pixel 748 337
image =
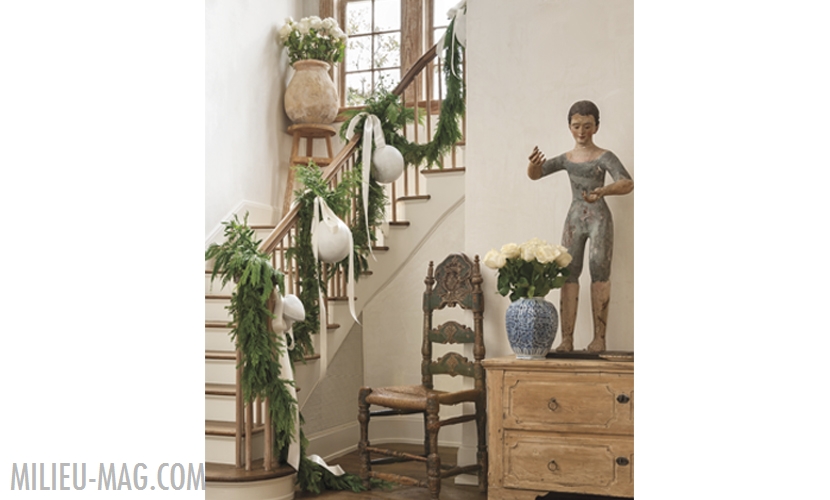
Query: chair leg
pixel 481 427
pixel 433 459
pixel 426 435
pixel 363 418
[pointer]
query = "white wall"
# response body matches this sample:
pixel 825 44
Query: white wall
pixel 246 144
pixel 527 63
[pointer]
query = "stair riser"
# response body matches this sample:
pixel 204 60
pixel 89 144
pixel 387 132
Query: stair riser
pixel 216 288
pixel 220 371
pixel 222 449
pixel 220 408
pixel 215 310
pixel 218 339
pixel 273 489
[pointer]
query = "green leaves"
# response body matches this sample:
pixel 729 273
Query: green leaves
pixel 524 279
pixel 239 258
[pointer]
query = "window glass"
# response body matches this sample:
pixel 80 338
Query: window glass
pixel 439 16
pixel 358 17
pixel 387 15
pixel 388 50
pixel 373 53
pixel 359 50
pixel 358 88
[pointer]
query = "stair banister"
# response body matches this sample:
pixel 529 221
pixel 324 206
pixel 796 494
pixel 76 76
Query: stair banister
pixel 280 239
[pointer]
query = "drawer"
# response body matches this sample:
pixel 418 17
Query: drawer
pixel 588 464
pixel 569 402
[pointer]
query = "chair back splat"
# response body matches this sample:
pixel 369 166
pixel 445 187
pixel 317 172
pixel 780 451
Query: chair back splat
pixel 456 282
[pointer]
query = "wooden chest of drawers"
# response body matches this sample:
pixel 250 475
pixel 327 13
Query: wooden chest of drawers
pixel 563 424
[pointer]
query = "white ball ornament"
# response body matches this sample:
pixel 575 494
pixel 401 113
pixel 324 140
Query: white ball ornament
pixel 333 242
pixel 387 164
pixel 292 308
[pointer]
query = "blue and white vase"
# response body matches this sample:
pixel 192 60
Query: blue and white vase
pixel 531 327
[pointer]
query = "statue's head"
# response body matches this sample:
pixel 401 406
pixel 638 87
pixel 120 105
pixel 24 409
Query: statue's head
pixel 584 108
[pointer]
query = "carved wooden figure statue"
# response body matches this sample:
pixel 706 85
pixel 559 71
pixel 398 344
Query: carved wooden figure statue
pixel 588 217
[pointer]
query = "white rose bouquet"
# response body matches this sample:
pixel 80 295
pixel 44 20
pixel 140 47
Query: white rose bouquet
pixel 313 38
pixel 531 269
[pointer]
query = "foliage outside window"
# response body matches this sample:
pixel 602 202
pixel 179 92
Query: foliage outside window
pixel 373 52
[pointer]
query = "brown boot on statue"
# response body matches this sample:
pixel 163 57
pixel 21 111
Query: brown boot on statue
pixel 600 295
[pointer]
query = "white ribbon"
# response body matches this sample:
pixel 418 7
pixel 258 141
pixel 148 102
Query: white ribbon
pixel 283 325
pixel 334 469
pixel 372 132
pixel 458 14
pixel 329 219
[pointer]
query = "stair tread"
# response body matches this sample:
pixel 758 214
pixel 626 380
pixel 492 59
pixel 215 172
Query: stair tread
pixel 399 223
pixel 217 297
pixel 220 389
pixel 217 324
pixel 229 473
pixel 224 428
pixel 231 355
pixel 414 197
pixel 380 249
pixel 220 355
pixel 443 170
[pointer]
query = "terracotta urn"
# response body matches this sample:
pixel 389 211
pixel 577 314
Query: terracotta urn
pixel 311 96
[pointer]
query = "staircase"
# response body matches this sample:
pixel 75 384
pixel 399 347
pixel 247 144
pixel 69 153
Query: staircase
pixel 420 203
pixel 224 479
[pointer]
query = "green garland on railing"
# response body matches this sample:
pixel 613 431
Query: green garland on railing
pixel 312 282
pixel 394 116
pixel 311 477
pixel 240 260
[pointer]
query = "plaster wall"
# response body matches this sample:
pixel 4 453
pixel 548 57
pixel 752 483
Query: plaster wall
pixel 526 65
pixel 393 319
pixel 246 144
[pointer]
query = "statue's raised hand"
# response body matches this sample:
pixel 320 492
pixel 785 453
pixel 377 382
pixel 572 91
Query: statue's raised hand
pixel 534 168
pixel 537 158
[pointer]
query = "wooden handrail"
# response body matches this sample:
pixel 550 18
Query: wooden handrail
pixel 269 244
pixel 416 69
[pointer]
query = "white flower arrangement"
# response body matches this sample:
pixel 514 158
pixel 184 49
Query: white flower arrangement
pixel 528 270
pixel 313 38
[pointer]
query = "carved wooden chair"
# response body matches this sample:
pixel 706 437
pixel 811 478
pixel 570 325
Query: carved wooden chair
pixel 456 282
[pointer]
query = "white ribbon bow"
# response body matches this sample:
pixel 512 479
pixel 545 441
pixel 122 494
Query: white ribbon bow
pixel 372 132
pixel 458 14
pixel 330 219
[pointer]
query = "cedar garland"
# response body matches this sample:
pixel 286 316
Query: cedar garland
pixel 239 259
pixel 394 116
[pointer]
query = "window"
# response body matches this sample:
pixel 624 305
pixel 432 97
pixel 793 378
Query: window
pixel 385 38
pixel 373 52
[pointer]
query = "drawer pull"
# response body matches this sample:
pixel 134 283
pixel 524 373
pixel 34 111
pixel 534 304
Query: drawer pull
pixel 623 399
pixel 553 405
pixel 622 461
pixel 553 466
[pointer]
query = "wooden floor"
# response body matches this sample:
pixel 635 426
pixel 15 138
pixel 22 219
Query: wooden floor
pixel 449 490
